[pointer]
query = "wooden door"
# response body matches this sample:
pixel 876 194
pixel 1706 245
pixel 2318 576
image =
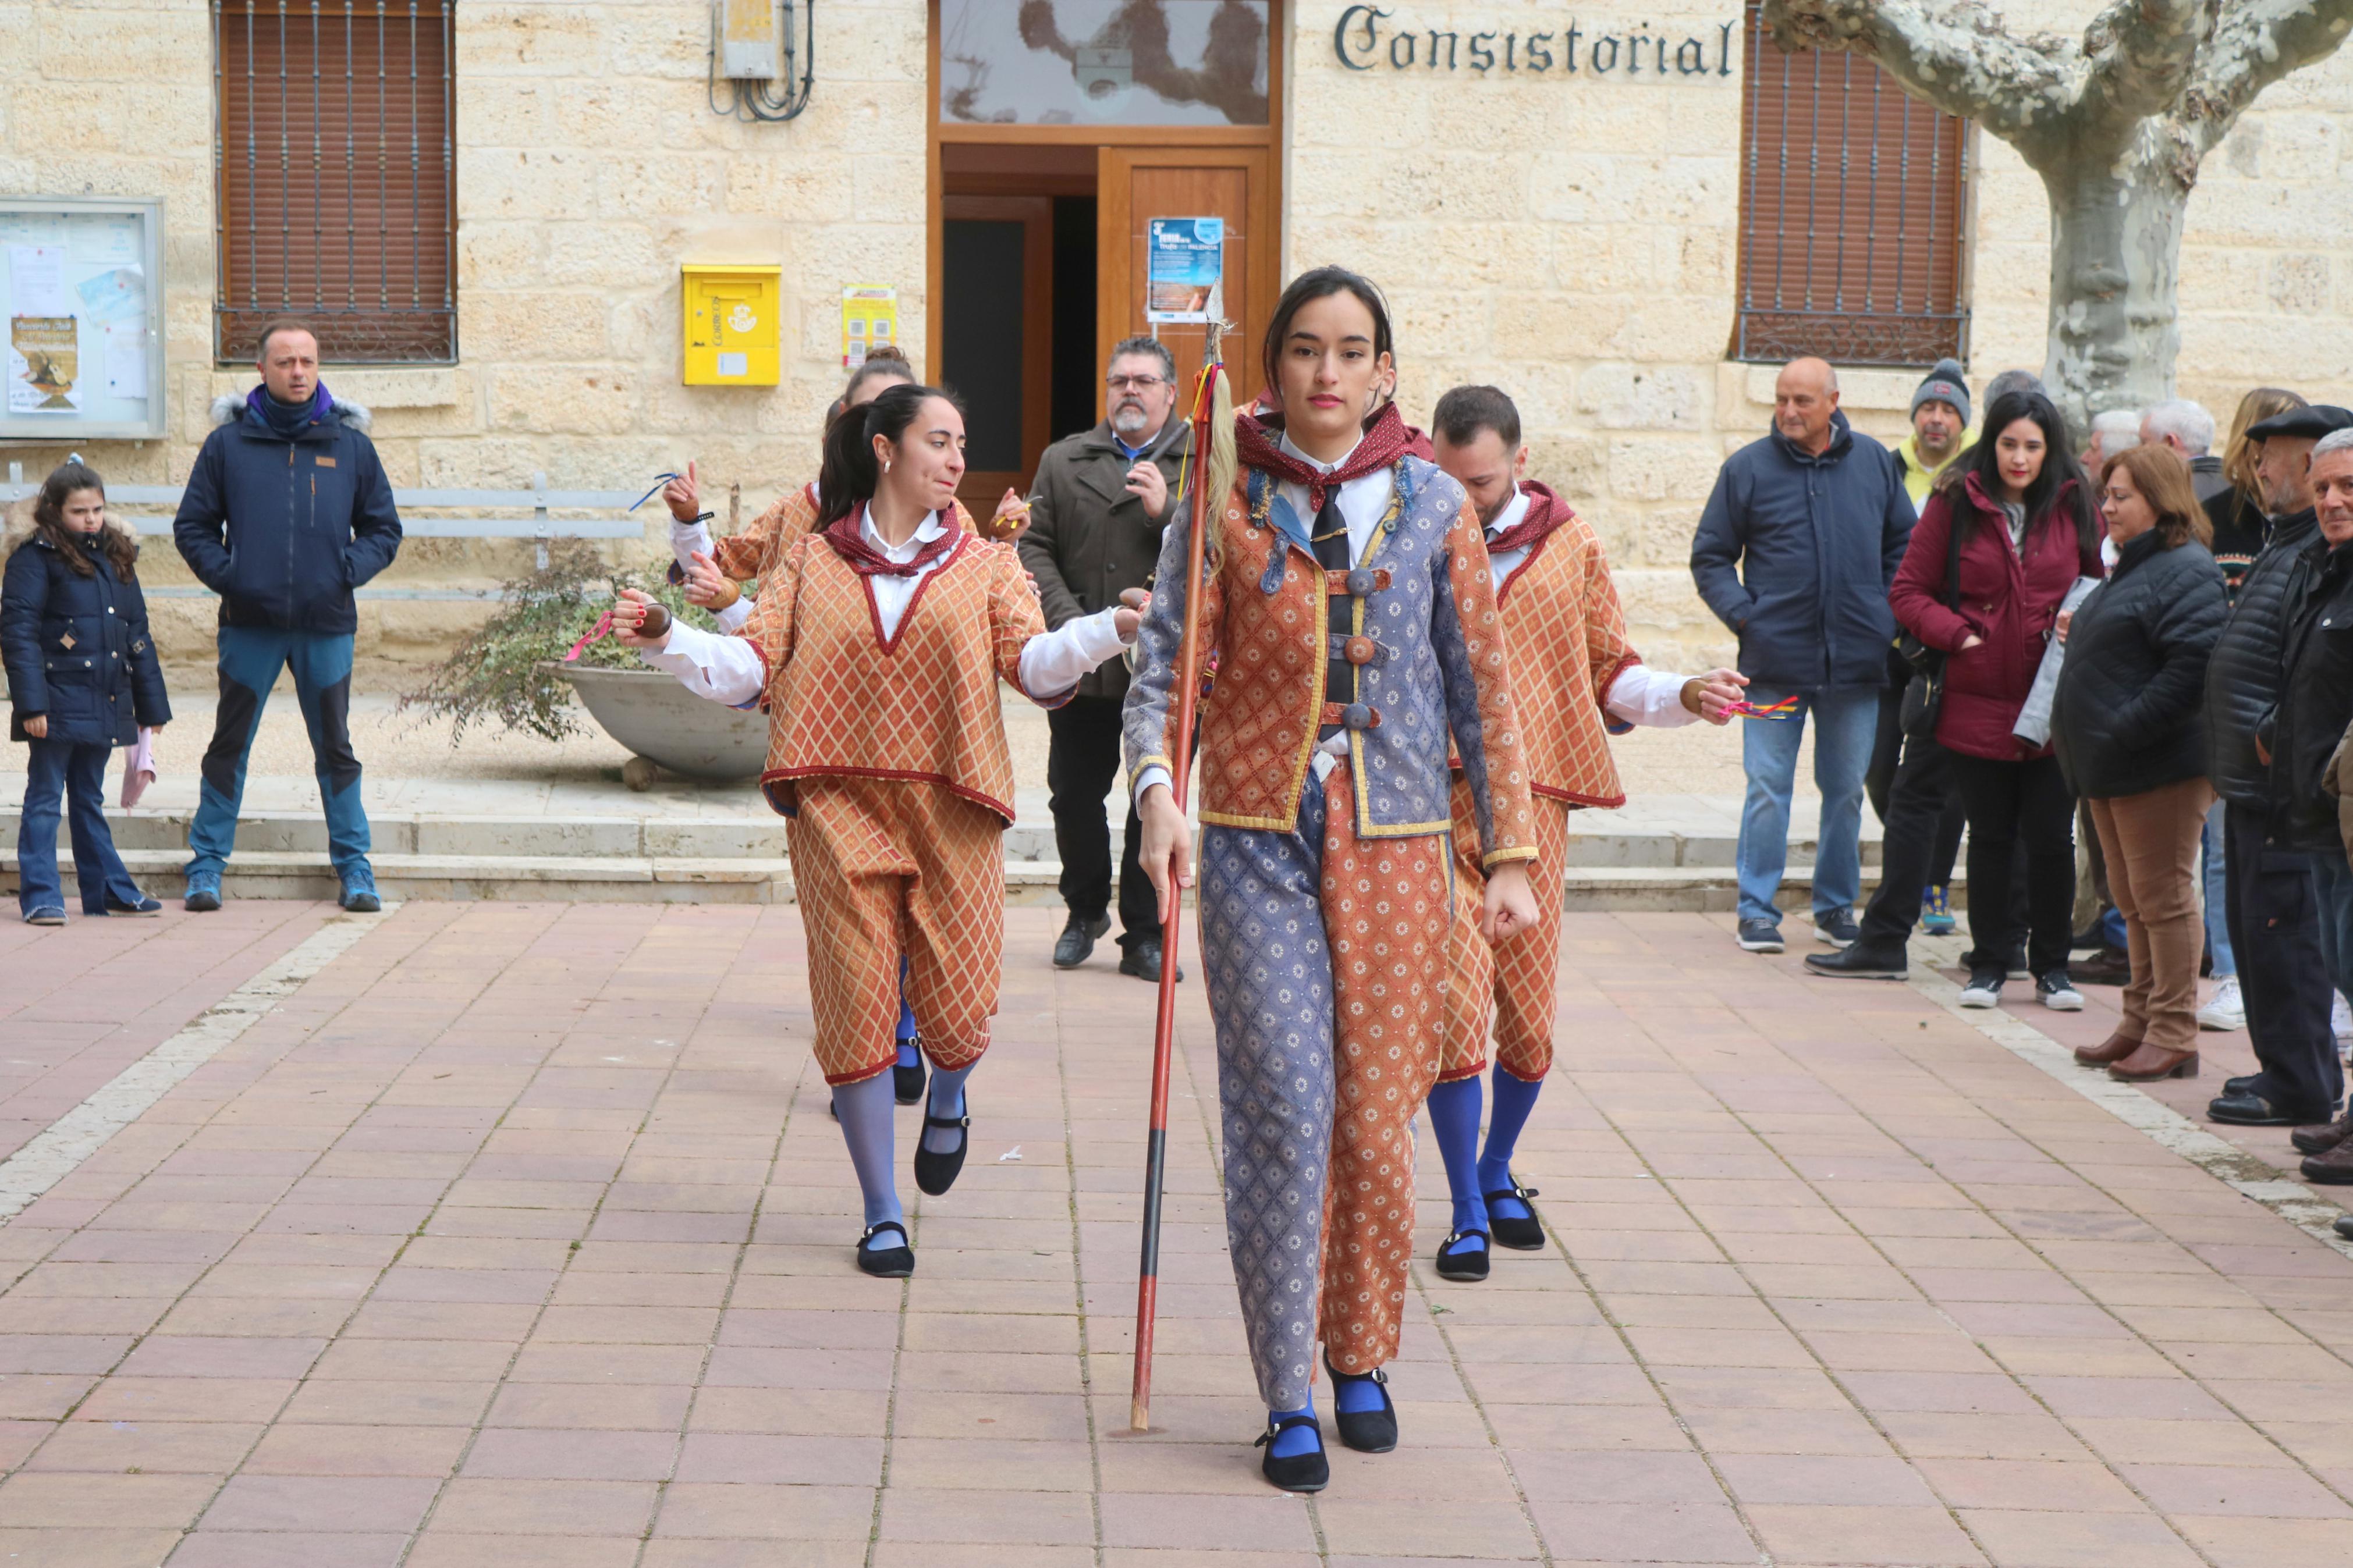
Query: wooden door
pixel 1136 183
pixel 996 279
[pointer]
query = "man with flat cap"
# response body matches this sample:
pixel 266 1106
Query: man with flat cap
pixel 2274 918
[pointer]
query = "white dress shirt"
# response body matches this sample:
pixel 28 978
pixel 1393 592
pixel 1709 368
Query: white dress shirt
pixel 685 540
pixel 729 668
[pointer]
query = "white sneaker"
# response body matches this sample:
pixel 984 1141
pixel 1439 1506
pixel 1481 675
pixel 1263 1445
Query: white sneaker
pixel 2059 993
pixel 2227 1009
pixel 1984 989
pixel 2340 1017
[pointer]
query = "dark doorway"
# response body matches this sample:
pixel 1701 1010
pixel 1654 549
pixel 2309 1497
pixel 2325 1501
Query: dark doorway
pixel 981 348
pixel 1077 378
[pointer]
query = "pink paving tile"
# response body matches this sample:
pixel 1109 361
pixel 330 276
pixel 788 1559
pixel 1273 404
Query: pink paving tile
pixel 289 1549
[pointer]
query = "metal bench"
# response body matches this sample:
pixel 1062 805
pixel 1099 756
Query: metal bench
pixel 150 509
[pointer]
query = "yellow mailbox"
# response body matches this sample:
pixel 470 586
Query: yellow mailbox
pixel 734 317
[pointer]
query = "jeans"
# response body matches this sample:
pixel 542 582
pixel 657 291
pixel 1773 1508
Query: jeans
pixel 61 770
pixel 2272 899
pixel 2332 879
pixel 1845 722
pixel 1082 758
pixel 2012 804
pixel 2215 876
pixel 251 658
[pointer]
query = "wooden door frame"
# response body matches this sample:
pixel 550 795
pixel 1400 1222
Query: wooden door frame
pixel 1036 217
pixel 1267 136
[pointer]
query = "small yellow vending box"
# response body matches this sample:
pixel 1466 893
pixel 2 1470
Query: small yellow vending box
pixel 734 323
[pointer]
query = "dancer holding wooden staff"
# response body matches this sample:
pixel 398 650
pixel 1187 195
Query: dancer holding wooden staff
pixel 1346 594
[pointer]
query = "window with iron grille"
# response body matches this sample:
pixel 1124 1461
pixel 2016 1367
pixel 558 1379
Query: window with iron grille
pixel 337 185
pixel 1853 214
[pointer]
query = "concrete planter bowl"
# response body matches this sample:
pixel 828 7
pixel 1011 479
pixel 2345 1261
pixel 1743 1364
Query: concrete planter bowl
pixel 667 725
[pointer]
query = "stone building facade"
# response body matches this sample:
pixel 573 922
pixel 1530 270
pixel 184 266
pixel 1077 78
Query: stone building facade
pixel 1572 238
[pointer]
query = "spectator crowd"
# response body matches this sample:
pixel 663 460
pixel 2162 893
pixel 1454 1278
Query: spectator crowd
pixel 2121 660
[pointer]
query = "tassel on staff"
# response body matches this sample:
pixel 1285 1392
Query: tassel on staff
pixel 1212 463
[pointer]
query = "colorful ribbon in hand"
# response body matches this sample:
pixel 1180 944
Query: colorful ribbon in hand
pixel 603 624
pixel 1785 708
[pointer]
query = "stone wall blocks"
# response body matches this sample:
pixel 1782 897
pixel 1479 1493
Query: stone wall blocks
pixel 562 400
pixel 1645 398
pixel 496 40
pixel 1663 468
pixel 116 44
pixel 2298 283
pixel 522 182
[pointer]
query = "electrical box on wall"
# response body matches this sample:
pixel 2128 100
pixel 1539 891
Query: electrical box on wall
pixel 751 44
pixel 734 323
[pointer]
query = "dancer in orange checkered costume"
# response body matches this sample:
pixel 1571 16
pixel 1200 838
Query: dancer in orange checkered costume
pixel 876 647
pixel 1574 676
pixel 1348 602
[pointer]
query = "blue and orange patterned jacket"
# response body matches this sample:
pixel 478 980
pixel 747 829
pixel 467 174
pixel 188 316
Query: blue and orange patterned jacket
pixel 1428 653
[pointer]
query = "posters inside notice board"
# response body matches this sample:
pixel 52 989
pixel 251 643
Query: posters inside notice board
pixel 79 320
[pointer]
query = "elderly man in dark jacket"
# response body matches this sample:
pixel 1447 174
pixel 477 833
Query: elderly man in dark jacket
pixel 2314 707
pixel 287 510
pixel 1795 553
pixel 1096 512
pixel 2271 897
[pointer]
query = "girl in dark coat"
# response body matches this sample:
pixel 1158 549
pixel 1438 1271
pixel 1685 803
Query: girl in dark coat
pixel 2130 722
pixel 2026 532
pixel 82 678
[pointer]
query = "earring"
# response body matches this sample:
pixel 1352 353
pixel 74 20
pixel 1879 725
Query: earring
pixel 886 465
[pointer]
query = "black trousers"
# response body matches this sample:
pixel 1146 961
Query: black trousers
pixel 2014 805
pixel 2274 911
pixel 1890 756
pixel 1083 759
pixel 1923 818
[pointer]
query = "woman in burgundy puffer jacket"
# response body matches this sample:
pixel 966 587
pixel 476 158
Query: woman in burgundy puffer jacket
pixel 2026 532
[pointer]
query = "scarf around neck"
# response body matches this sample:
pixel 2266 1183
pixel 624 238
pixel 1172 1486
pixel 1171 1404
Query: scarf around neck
pixel 1258 442
pixel 1546 512
pixel 849 542
pixel 290 419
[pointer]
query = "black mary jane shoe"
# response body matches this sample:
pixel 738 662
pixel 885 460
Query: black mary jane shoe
pixel 907 1083
pixel 1367 1431
pixel 1524 1234
pixel 935 1173
pixel 886 1262
pixel 1309 1473
pixel 1465 1267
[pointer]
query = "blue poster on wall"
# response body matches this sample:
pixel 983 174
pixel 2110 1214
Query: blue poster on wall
pixel 1185 264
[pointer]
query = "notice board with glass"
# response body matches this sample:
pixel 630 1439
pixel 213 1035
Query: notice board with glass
pixel 82 311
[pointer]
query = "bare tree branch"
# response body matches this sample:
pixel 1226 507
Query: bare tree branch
pixel 2255 43
pixel 2141 54
pixel 1954 54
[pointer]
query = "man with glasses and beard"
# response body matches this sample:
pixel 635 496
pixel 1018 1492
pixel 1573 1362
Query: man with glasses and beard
pixel 1096 513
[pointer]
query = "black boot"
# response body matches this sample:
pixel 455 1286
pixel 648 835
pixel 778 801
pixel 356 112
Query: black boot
pixel 1078 939
pixel 1865 960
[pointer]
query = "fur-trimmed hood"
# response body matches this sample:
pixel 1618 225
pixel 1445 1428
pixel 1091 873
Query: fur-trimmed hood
pixel 229 408
pixel 19 527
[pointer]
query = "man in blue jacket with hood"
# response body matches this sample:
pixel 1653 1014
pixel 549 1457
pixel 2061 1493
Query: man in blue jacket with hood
pixel 286 511
pixel 1795 553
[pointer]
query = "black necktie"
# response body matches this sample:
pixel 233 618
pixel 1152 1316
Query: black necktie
pixel 1329 537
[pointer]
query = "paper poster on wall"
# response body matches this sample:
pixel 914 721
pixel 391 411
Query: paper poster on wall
pixel 126 364
pixel 32 228
pixel 44 364
pixel 1186 261
pixel 870 318
pixel 36 280
pixel 119 294
pixel 114 240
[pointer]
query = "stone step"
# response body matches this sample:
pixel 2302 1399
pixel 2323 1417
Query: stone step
pixel 712 837
pixel 762 879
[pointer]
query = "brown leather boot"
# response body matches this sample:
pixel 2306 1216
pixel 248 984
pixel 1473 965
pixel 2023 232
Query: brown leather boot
pixel 2334 1169
pixel 2320 1138
pixel 2154 1062
pixel 2115 1049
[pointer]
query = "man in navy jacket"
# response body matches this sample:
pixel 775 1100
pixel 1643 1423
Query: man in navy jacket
pixel 286 511
pixel 1795 553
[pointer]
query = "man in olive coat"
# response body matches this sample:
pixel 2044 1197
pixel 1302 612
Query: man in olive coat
pixel 1096 512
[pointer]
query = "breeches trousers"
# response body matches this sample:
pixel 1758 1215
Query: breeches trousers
pixel 1516 986
pixel 1324 955
pixel 891 868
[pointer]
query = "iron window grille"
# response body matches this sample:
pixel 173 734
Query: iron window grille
pixel 1853 213
pixel 336 179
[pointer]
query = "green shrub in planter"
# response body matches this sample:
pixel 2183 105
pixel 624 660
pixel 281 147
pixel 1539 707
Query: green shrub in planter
pixel 504 673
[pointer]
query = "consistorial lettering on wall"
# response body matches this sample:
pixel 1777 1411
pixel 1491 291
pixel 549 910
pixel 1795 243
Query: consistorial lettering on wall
pixel 1373 37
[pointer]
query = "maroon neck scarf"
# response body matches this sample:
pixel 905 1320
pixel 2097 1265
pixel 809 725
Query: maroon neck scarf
pixel 1258 442
pixel 849 543
pixel 1546 512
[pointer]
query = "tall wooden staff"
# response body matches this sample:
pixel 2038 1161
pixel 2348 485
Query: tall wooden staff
pixel 1213 461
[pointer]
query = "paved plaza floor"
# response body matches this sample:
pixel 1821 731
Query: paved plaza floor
pixel 518 1234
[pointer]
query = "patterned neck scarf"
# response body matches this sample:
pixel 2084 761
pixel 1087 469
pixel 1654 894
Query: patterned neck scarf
pixel 1546 512
pixel 849 542
pixel 1258 438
